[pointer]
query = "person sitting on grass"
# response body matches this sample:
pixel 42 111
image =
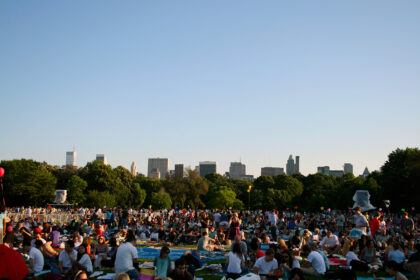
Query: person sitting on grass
pixel 393 269
pixel 235 262
pixel 84 259
pixel 315 264
pixel 36 264
pixel 267 266
pixel 67 257
pixel 163 263
pixel 205 245
pixel 127 257
pixel 330 243
pixel 180 272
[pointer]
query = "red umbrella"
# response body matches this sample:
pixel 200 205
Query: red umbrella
pixel 12 264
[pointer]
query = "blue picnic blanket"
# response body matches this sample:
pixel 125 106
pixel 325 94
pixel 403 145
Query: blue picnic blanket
pixel 151 253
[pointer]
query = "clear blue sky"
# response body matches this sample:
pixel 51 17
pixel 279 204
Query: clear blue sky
pixel 331 81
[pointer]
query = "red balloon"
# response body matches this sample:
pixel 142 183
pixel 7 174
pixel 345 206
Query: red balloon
pixel 1 171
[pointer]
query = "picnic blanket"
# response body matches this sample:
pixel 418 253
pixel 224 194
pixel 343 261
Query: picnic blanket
pixel 151 253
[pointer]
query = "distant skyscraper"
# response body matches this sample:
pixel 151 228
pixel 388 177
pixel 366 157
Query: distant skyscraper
pixel 162 164
pixel 179 171
pixel 290 166
pixel 336 173
pixel 366 172
pixel 207 167
pixel 71 158
pixel 324 170
pixel 237 170
pixel 101 157
pixel 348 168
pixel 297 164
pixel 272 171
pixel 134 169
pixel 154 173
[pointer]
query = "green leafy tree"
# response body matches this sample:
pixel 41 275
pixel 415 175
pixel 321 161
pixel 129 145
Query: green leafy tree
pixel 161 200
pixel 27 182
pixel 76 188
pixel 222 198
pixel 400 178
pixel 138 196
pixel 97 198
pixel 178 190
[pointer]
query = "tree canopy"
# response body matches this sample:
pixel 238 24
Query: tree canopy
pixel 27 182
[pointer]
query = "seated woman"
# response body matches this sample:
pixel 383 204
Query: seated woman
pixel 101 251
pixel 235 261
pixel 112 253
pixel 368 254
pixel 78 239
pixel 84 259
pixel 55 237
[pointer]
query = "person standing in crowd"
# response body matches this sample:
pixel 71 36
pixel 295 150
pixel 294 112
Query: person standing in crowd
pixel 407 226
pixel 273 218
pixel 360 220
pixel 234 226
pixel 3 221
pixel 127 257
pixel 375 224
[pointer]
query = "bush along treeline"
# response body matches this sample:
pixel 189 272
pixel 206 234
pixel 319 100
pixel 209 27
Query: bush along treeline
pixel 31 183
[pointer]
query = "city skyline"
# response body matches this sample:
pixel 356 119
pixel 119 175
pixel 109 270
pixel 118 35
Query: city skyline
pixel 226 81
pixel 152 163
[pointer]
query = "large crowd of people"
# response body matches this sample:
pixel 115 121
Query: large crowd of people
pixel 272 244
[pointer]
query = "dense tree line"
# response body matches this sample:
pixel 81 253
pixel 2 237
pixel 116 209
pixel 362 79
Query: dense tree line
pixel 27 182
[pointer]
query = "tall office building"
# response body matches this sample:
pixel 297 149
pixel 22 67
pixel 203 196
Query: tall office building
pixel 336 173
pixel 272 171
pixel 207 167
pixel 154 173
pixel 101 157
pixel 297 164
pixel 290 166
pixel 237 170
pixel 71 158
pixel 324 170
pixel 179 171
pixel 134 169
pixel 348 168
pixel 161 164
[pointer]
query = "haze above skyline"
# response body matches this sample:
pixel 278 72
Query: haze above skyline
pixel 330 81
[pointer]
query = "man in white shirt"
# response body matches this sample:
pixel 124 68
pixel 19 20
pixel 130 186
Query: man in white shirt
pixel 36 262
pixel 127 256
pixel 314 264
pixel 266 265
pixel 67 257
pixel 360 220
pixel 330 243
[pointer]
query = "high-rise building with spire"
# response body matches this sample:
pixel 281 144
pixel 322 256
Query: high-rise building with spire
pixel 290 166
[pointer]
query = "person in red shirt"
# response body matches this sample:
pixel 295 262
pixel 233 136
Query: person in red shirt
pixel 374 224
